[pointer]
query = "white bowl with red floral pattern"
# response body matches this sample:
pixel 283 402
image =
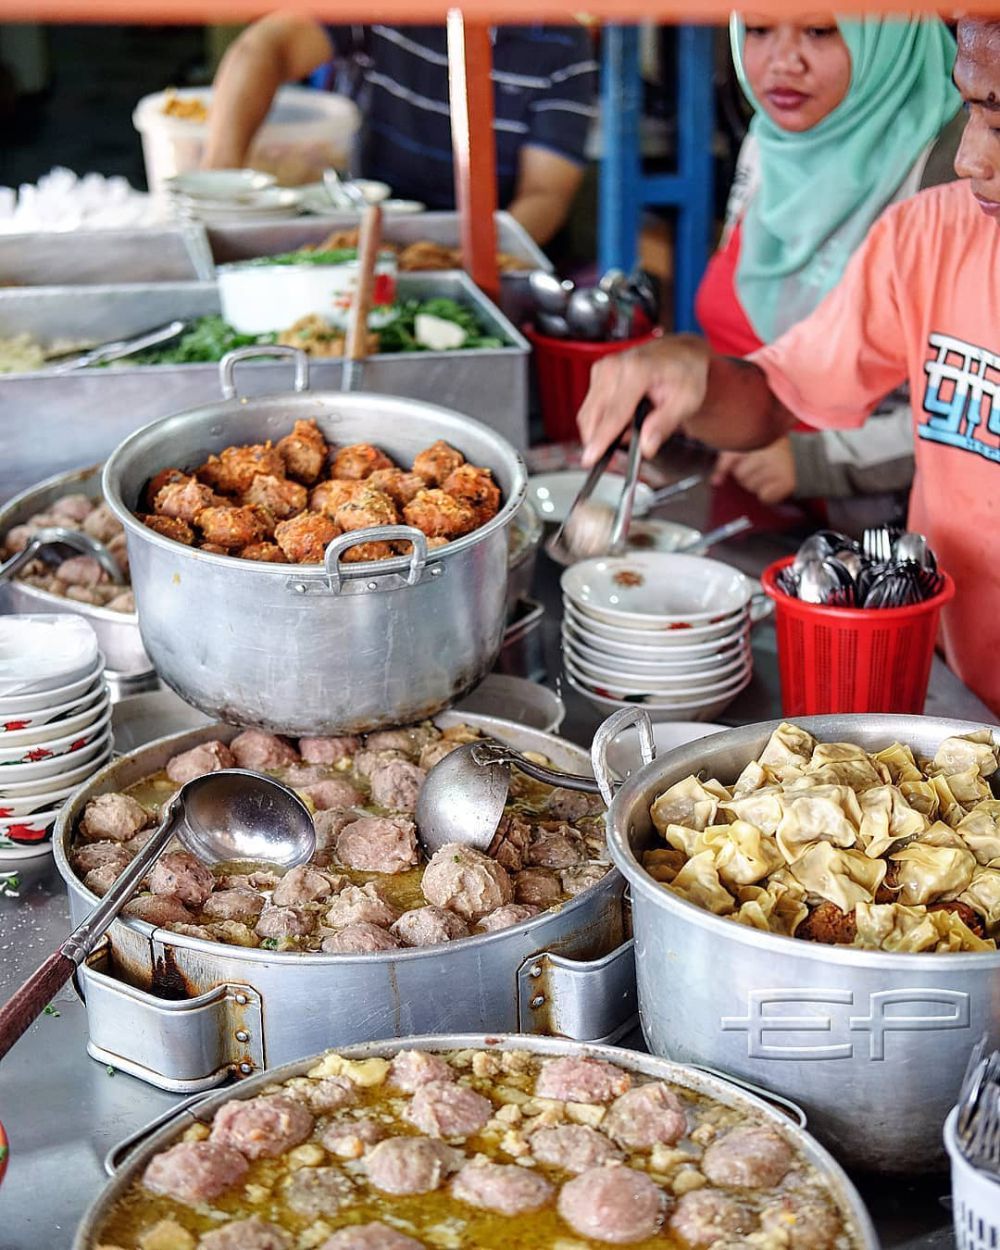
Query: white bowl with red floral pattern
pixel 17 707
pixel 16 722
pixel 28 763
pixel 14 743
pixel 27 833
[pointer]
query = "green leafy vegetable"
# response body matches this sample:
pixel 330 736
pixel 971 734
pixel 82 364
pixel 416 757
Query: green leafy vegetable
pixel 337 256
pixel 50 1011
pixel 400 334
pixel 208 340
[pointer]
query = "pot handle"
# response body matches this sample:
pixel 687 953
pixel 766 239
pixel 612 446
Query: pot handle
pixel 586 1000
pixel 783 1104
pixel 377 534
pixel 605 735
pixel 118 1155
pixel 228 363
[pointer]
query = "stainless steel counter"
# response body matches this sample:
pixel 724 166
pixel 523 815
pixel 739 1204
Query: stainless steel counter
pixel 63 1111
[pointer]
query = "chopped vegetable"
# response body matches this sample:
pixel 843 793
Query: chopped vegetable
pixel 208 340
pixel 50 1011
pixel 401 334
pixel 336 256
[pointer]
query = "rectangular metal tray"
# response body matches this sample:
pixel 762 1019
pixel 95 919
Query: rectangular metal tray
pixel 53 423
pixel 168 253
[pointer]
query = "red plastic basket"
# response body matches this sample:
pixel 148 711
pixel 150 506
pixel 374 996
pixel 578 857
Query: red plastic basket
pixel 853 659
pixel 563 371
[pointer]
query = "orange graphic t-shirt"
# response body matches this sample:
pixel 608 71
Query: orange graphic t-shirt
pixel 920 300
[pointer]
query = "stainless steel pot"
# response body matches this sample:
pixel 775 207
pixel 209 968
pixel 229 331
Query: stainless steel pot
pixel 310 649
pixel 525 538
pixel 117 632
pixel 858 1225
pixel 185 1014
pixel 873 1045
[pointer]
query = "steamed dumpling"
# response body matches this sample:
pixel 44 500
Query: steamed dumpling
pixel 980 830
pixel 698 882
pixel 825 813
pixel 899 760
pixel 838 876
pixel 893 927
pixel 958 793
pixel 688 802
pixel 887 817
pixel 929 873
pixel 983 895
pixel 743 854
pixel 779 907
pixel 788 745
pixel 922 797
pixel 763 808
pixel 958 755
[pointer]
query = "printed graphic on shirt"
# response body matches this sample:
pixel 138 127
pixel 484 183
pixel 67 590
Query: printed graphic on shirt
pixel 962 398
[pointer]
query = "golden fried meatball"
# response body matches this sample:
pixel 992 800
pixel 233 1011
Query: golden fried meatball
pixel 434 464
pixel 477 488
pixel 213 548
pixel 231 527
pixel 401 487
pixel 357 461
pixel 170 527
pixel 304 538
pixel 233 470
pixel 165 477
pixel 304 452
pixel 364 552
pixel 826 923
pixel 366 507
pixel 440 515
pixel 970 918
pixel 185 499
pixel 266 553
pixel 328 496
pixel 281 497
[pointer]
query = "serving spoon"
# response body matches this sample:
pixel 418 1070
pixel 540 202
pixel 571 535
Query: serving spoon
pixel 59 535
pixel 219 817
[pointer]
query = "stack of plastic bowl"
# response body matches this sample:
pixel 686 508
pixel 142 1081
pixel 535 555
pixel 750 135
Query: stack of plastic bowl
pixel 670 632
pixel 55 724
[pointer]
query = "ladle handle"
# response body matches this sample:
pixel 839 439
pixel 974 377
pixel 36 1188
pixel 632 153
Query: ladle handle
pixel 26 1004
pixel 70 538
pixel 485 753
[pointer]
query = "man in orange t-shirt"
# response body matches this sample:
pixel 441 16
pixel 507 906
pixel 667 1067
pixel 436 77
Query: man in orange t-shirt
pixel 919 301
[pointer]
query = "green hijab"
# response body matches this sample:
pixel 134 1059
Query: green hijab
pixel 820 191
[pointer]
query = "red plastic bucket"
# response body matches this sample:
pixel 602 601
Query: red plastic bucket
pixel 853 659
pixel 563 370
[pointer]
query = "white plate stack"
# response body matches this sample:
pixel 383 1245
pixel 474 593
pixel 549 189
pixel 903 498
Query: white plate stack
pixel 220 197
pixel 669 632
pixel 55 724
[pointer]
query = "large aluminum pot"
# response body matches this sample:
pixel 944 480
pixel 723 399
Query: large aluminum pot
pixel 860 1234
pixel 873 1045
pixel 308 649
pixel 186 1014
pixel 117 632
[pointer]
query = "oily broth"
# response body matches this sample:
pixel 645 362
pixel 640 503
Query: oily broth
pixel 438 1220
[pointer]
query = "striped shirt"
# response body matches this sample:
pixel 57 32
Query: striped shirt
pixel 544 86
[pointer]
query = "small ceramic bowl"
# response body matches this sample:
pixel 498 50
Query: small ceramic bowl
pixel 655 683
pixel 631 690
pixel 44 716
pixel 665 663
pixel 53 783
pixel 695 711
pixel 28 830
pixel 676 636
pixel 43 748
pixel 40 654
pixel 219 184
pixel 89 714
pixel 55 765
pixel 623 754
pixel 22 705
pixel 666 649
pixel 30 804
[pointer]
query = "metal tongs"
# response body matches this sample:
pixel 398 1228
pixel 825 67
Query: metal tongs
pixel 59 535
pixel 119 349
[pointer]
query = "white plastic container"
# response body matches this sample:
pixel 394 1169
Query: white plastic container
pixel 975 1198
pixel 305 132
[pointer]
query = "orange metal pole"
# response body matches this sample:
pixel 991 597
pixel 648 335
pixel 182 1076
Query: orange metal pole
pixel 470 59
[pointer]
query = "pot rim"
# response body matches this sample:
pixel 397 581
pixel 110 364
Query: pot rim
pixel 229 408
pixel 686 758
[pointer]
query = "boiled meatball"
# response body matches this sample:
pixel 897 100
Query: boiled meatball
pixel 510 842
pixel 466 881
pixel 649 1115
pixel 304 452
pixel 315 1192
pixel 476 488
pixel 158 909
pixel 299 775
pixel 232 527
pixel 73 507
pixel 195 1172
pixel 556 846
pixel 232 472
pixel 504 917
pixel 399 486
pixel 803 1223
pixel 502 1187
pixel 251 1234
pixel 102 523
pixel 330 1093
pixel 410 1069
pixel 582 876
pixel 210 757
pixel 359 461
pixel 379 844
pixel 116 817
pixel 100 855
pixel 264 553
pixel 411 1165
pixel 439 515
pixel 185 500
pixel 178 873
pixel 327 497
pixel 368 760
pixel 328 750
pixel 617 1205
pixel 435 463
pixel 704 1217
pixel 281 497
pixel 242 905
pixel 81 571
pixel 169 527
pixel 429 926
pixel 360 939
pixel 409 741
pixel 747 1158
pixel 377 1236
pixel 263 1127
pixel 328 825
pixel 537 886
pixel 434 752
pixel 360 904
pixel 569 1079
pixel 443 1109
pixel 125 602
pixel 301 886
pixel 260 751
pixel 334 792
pixel 396 785
pixel 305 538
pixel 574 1148
pixel 572 805
pixel 348 1139
pixel 284 922
pixel 366 508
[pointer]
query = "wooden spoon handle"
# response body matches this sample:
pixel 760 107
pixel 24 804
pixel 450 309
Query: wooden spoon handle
pixel 26 1004
pixel 369 242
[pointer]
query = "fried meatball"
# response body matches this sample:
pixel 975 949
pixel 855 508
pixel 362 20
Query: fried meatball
pixel 476 488
pixel 366 508
pixel 281 497
pixel 328 496
pixel 234 469
pixel 165 477
pixel 466 881
pixel 258 750
pixel 263 1127
pixel 435 463
pixel 439 515
pixel 401 487
pixel 170 527
pixel 185 500
pixel 358 461
pixel 359 939
pixel 305 538
pixel 231 527
pixel 364 553
pixel 215 550
pixel 304 451
pixel 826 923
pixel 970 918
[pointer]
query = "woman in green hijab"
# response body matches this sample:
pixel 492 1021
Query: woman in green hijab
pixel 850 116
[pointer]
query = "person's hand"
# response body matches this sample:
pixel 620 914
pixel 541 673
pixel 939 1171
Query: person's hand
pixel 769 473
pixel 672 373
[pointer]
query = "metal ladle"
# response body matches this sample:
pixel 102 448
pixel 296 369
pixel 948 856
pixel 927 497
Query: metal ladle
pixel 58 534
pixel 219 817
pixel 463 796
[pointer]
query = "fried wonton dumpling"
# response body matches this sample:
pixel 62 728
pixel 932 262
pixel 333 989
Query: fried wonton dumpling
pixel 688 802
pixel 763 808
pixel 899 760
pixel 698 882
pixel 788 745
pixel 683 838
pixel 840 876
pixel 886 818
pixel 927 874
pixel 980 830
pixel 921 796
pixel 959 793
pixel 743 854
pixel 822 814
pixel 859 774
pixel 776 908
pixel 894 927
pixel 983 895
pixel 958 755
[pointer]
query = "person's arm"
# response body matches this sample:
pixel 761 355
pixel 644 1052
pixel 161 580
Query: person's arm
pixel 546 185
pixel 281 48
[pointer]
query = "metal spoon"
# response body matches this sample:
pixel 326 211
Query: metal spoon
pixel 549 294
pixel 463 797
pixel 552 324
pixel 222 816
pixel 912 546
pixel 589 313
pixel 343 195
pixel 60 535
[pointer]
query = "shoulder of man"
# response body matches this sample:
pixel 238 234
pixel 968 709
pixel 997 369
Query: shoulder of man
pixel 919 221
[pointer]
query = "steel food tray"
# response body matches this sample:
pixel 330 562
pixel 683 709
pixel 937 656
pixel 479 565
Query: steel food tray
pixel 168 253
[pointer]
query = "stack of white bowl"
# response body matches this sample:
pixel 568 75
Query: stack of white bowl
pixel 220 197
pixel 669 632
pixel 55 724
